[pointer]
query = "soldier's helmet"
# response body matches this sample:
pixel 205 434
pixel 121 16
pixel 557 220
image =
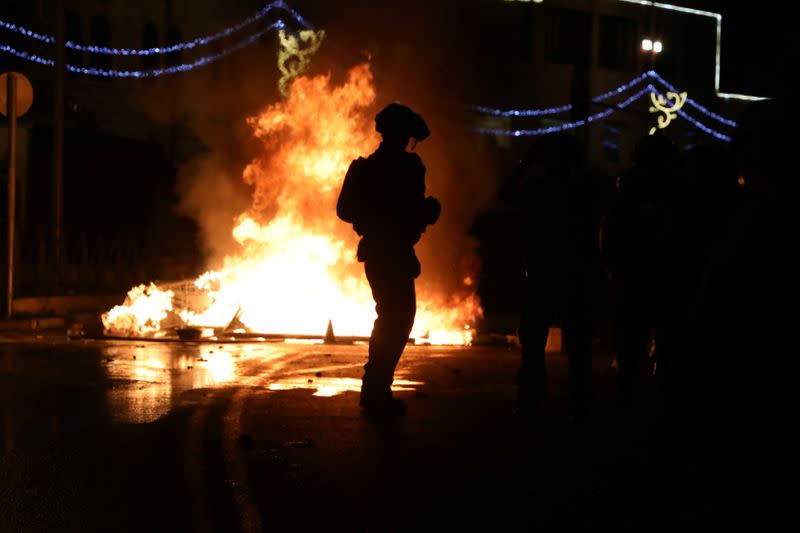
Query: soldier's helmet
pixel 397 119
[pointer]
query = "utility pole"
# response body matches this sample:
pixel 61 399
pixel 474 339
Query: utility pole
pixel 58 144
pixel 11 106
pixel 16 95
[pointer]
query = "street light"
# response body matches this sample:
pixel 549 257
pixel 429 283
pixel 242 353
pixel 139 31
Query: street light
pixel 652 46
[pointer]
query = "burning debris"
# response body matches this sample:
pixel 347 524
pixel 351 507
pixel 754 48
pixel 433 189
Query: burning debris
pixel 295 271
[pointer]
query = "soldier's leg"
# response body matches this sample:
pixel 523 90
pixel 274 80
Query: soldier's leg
pixel 395 304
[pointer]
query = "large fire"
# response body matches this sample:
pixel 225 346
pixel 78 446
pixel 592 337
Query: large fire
pixel 296 267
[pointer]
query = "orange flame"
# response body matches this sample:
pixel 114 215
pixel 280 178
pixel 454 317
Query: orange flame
pixel 296 267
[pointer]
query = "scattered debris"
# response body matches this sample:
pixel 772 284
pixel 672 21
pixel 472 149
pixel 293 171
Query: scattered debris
pixel 300 443
pixel 189 334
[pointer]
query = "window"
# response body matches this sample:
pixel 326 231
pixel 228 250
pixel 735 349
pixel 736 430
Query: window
pixel 100 35
pixel 552 122
pixel 568 36
pixel 618 43
pixel 74 32
pixel 612 141
pixel 216 68
pixel 699 51
pixel 174 36
pixel 150 40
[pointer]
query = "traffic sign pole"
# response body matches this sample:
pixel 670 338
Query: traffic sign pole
pixel 11 109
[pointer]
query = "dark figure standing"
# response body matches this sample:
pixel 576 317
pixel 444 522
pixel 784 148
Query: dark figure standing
pixel 560 243
pixel 745 331
pixel 703 232
pixel 383 196
pixel 639 243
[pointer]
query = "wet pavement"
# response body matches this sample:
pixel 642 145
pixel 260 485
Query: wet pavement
pixel 250 437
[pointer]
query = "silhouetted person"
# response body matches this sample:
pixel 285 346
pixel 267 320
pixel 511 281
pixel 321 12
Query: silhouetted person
pixel 746 326
pixel 560 231
pixel 639 242
pixel 745 289
pixel 383 196
pixel 703 230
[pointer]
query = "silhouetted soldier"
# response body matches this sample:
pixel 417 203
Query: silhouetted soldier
pixel 560 244
pixel 747 283
pixel 703 231
pixel 747 327
pixel 383 196
pixel 639 242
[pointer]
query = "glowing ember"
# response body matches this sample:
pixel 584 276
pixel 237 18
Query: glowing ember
pixel 296 267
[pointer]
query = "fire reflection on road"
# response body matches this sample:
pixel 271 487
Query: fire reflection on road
pixel 149 380
pixel 331 386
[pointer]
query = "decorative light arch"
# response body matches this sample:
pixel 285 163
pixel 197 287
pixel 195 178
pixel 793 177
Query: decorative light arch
pixel 177 47
pixel 650 74
pixel 657 95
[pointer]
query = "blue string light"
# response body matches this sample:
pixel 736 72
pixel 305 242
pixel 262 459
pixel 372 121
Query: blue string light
pixel 522 112
pixel 280 4
pixel 653 74
pixel 619 90
pixel 697 123
pixel 568 125
pixel 700 125
pixel 601 115
pixel 188 45
pixel 183 67
pixel 26 32
pixel 560 109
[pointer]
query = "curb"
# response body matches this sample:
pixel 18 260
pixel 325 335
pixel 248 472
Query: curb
pixel 32 323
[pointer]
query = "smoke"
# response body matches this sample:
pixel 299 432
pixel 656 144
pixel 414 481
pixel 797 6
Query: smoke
pixel 458 174
pixel 415 61
pixel 211 193
pixel 422 57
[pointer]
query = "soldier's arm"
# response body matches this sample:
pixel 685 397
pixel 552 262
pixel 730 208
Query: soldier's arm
pixel 429 207
pixel 348 204
pixel 419 177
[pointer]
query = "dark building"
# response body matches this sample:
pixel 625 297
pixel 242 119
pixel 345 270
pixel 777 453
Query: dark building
pixel 570 51
pixel 124 138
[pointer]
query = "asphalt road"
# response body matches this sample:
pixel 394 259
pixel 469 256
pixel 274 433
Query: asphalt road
pixel 127 436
